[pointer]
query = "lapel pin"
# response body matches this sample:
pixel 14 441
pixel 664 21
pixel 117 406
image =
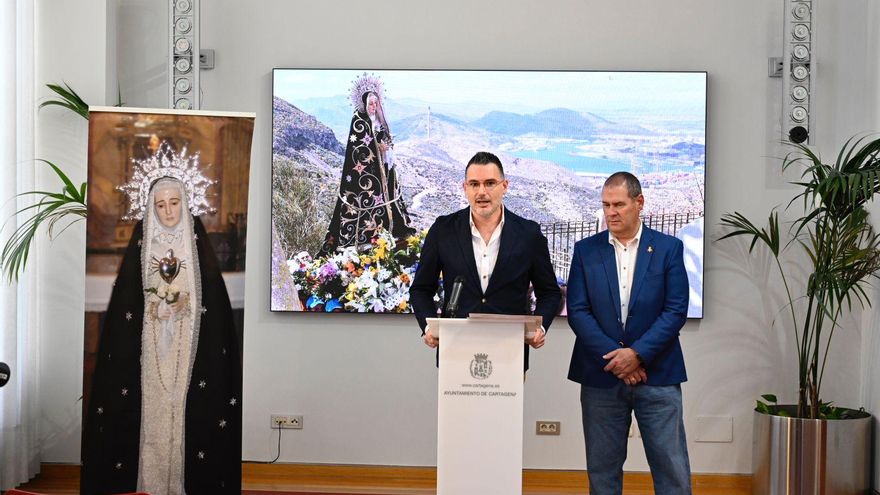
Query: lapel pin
pixel 650 249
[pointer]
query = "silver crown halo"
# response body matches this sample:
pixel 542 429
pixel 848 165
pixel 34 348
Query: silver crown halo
pixel 363 84
pixel 167 163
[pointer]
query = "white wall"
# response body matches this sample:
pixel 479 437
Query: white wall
pixel 140 29
pixel 366 386
pixel 871 321
pixel 71 46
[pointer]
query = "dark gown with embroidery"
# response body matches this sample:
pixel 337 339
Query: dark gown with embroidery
pixel 111 428
pixel 369 193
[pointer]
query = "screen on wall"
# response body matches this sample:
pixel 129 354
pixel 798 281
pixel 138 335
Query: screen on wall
pixel 363 161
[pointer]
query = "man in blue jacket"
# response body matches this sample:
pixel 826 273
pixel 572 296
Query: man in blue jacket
pixel 627 301
pixel 496 253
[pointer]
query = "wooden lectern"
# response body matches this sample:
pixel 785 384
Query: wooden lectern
pixel 480 403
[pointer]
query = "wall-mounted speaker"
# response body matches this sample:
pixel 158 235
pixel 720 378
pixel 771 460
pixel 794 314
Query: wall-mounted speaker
pixel 798 71
pixel 183 55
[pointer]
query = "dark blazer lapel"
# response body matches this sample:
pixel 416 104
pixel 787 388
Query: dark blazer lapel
pixel 643 261
pixel 609 260
pixel 467 249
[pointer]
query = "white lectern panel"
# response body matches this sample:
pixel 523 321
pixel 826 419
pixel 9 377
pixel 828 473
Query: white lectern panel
pixel 480 415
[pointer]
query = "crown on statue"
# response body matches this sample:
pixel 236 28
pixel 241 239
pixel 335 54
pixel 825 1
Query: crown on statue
pixel 367 83
pixel 166 162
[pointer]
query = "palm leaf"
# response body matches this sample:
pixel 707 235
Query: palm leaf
pixel 50 209
pixel 743 226
pixel 67 98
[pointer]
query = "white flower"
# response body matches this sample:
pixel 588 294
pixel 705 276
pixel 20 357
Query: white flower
pixel 367 285
pixel 302 260
pixel 394 300
pixel 350 254
pixel 357 306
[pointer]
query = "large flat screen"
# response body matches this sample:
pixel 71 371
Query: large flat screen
pixel 358 180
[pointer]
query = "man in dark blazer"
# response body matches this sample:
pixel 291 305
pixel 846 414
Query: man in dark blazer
pixel 627 301
pixel 497 253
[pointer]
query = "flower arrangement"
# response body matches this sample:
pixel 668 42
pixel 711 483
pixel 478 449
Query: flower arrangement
pixel 375 279
pixel 170 293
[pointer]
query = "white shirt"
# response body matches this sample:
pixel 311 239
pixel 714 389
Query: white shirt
pixel 485 253
pixel 625 256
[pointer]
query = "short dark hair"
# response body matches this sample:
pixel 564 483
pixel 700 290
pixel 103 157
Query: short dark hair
pixel 633 186
pixel 484 158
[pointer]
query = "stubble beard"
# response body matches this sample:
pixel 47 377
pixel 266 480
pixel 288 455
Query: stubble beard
pixel 486 213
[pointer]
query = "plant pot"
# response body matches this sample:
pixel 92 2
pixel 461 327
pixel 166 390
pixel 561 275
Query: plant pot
pixel 792 456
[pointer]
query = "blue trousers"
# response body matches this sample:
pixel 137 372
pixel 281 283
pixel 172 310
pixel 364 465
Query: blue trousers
pixel 607 414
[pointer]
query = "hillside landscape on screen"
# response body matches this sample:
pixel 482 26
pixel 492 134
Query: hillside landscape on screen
pixel 355 188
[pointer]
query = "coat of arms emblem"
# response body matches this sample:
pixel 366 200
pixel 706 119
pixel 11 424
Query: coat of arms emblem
pixel 481 366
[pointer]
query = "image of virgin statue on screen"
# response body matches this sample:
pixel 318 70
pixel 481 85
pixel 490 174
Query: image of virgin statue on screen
pixel 364 161
pixel 369 198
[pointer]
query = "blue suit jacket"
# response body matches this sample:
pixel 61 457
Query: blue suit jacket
pixel 523 258
pixel 657 309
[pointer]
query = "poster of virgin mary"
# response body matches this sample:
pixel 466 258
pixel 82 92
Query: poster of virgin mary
pixel 166 227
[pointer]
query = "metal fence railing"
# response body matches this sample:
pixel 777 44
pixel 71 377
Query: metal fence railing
pixel 561 236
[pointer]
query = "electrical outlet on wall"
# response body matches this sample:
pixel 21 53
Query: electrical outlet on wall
pixel 547 427
pixel 206 59
pixel 286 421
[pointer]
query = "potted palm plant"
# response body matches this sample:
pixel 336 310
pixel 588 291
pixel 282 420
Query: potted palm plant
pixel 814 446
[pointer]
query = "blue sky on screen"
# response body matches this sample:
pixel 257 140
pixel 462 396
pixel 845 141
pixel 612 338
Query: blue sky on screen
pixel 658 93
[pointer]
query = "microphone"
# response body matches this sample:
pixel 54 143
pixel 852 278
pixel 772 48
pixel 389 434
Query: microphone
pixel 4 373
pixel 452 305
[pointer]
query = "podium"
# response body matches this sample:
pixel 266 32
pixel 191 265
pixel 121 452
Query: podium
pixel 480 403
